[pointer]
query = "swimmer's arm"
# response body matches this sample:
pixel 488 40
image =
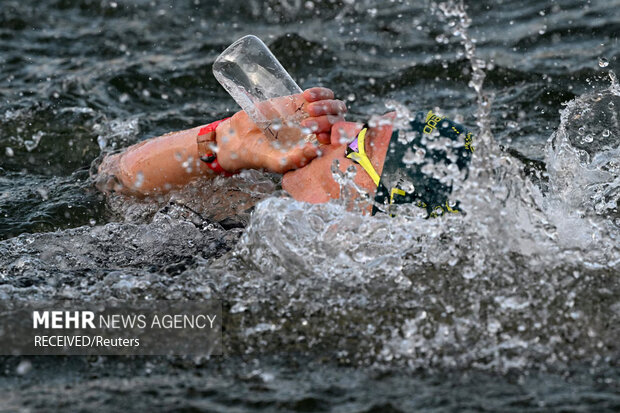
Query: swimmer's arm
pixel 172 160
pixel 160 164
pixel 154 166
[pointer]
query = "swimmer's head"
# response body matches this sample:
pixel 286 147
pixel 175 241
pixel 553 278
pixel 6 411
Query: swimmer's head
pixel 383 170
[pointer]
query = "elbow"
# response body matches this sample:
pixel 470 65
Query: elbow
pixel 114 177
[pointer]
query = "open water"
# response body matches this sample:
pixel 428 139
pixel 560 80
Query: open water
pixel 513 306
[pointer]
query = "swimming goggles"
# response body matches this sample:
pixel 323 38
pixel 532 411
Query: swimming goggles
pixel 356 151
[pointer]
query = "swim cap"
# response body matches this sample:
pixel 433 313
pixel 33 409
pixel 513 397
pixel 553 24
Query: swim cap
pixel 431 142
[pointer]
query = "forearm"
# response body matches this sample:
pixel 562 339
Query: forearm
pixel 172 160
pixel 156 165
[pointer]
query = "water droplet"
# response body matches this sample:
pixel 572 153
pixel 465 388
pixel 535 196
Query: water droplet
pixel 412 157
pixel 602 62
pixel 409 157
pixel 102 142
pixel 43 193
pixel 92 222
pixel 469 274
pixel 139 179
pixel 238 308
pixel 442 39
pixel 351 97
pixel 276 125
pixel 31 144
pixel 494 326
pixel 9 151
pixel 351 172
pixel 23 367
pixel 606 133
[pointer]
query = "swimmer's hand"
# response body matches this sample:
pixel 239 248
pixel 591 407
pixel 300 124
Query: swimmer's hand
pixel 242 145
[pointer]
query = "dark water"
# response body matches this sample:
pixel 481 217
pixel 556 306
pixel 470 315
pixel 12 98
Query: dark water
pixel 486 314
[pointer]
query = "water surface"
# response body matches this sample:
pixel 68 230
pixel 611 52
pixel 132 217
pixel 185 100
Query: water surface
pixel 513 307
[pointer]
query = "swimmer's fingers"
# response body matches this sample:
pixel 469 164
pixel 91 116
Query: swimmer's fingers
pixel 281 162
pixel 323 138
pixel 321 124
pixel 326 107
pixel 317 93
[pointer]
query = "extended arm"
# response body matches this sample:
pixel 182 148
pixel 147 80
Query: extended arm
pixel 155 165
pixel 172 160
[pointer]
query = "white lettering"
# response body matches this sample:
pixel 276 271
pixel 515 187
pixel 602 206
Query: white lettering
pixel 56 319
pixel 181 321
pixel 39 318
pixel 87 319
pixel 63 319
pixel 75 319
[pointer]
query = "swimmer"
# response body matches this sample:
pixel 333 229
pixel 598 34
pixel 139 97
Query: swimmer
pixel 228 146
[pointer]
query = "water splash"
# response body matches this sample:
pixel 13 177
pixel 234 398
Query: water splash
pixel 513 282
pixel 498 287
pixel 615 86
pixel 584 175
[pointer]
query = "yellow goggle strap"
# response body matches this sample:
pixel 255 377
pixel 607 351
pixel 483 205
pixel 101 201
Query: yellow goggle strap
pixel 362 159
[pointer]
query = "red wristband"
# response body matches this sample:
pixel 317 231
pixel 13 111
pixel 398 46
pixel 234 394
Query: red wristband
pixel 217 168
pixel 205 140
pixel 211 126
